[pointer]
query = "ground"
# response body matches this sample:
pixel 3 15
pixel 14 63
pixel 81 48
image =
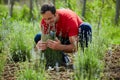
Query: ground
pixel 112 63
pixel 111 71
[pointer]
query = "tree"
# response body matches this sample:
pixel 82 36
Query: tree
pixel 37 4
pixel 84 8
pixel 100 16
pixel 53 1
pixel 31 8
pixel 11 4
pixel 1 1
pixel 117 11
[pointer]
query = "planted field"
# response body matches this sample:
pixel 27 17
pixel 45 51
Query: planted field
pixel 111 70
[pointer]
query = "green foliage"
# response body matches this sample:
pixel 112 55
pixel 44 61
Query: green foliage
pixel 2 62
pixel 4 33
pixel 113 34
pixel 24 13
pixel 15 38
pixel 18 49
pixel 3 13
pixel 29 73
pixel 19 13
pixel 61 4
pixel 1 47
pixel 51 56
pixel 89 65
pixel 71 4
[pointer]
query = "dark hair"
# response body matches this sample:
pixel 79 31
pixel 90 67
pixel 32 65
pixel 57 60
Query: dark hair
pixel 48 7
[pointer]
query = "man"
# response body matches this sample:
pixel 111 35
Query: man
pixel 66 24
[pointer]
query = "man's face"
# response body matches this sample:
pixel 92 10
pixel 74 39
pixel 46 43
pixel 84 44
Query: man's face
pixel 49 18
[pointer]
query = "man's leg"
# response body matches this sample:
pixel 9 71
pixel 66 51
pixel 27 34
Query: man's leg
pixel 85 34
pixel 37 37
pixel 65 57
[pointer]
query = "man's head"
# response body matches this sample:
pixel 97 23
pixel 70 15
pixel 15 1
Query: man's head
pixel 48 12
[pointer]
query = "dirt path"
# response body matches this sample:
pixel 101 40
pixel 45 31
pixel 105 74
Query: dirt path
pixel 9 71
pixel 62 74
pixel 112 63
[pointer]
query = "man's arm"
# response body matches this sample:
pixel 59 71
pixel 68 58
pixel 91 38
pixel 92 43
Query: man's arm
pixel 56 45
pixel 41 45
pixel 72 47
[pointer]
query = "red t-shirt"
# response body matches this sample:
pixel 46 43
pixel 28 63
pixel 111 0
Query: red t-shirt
pixel 67 24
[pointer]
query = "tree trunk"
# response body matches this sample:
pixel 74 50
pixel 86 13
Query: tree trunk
pixel 41 2
pixel 11 4
pixel 53 1
pixel 31 8
pixel 84 8
pixel 66 1
pixel 1 1
pixel 37 4
pixel 100 16
pixel 117 11
pixel 5 1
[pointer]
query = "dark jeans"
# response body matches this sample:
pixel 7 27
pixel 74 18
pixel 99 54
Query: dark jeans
pixel 85 34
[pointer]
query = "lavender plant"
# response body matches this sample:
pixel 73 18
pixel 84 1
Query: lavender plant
pixel 52 56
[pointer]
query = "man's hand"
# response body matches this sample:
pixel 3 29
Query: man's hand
pixel 54 44
pixel 41 45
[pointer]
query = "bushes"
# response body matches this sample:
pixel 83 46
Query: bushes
pixel 29 73
pixel 2 62
pixel 19 13
pixel 15 39
pixel 3 12
pixel 18 48
pixel 89 65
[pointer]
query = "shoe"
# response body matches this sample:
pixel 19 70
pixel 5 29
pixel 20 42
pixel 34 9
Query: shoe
pixel 66 59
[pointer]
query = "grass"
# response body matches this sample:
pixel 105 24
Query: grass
pixel 89 63
pixel 114 35
pixel 2 62
pixel 29 72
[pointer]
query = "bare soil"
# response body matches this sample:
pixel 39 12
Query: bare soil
pixel 63 74
pixel 112 63
pixel 10 70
